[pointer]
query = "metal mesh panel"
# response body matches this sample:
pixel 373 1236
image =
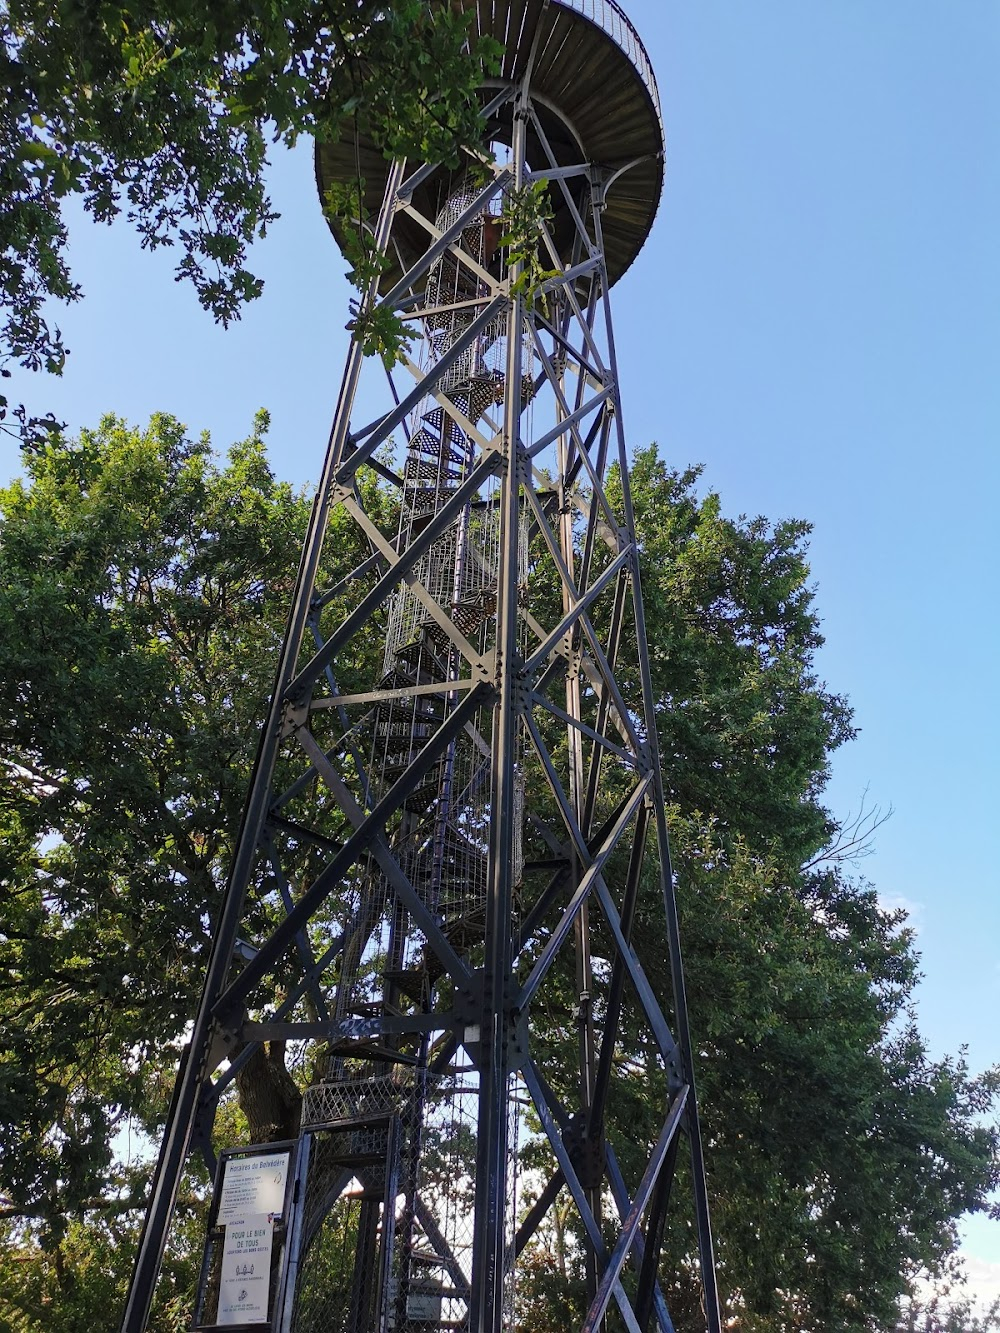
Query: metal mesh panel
pixel 419 1202
pixel 349 1100
pixel 337 1266
pixel 339 1283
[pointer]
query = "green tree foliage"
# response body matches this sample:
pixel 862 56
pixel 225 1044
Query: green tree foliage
pixel 839 1153
pixel 163 109
pixel 142 592
pixel 142 597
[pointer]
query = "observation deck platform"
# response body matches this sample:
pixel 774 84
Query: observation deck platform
pixel 595 93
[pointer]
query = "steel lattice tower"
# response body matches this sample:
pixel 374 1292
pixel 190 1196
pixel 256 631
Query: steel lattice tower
pixel 452 856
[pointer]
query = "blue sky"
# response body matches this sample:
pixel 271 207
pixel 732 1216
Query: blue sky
pixel 816 319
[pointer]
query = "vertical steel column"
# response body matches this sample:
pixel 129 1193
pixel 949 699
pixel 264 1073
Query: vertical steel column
pixel 577 794
pixel 488 1254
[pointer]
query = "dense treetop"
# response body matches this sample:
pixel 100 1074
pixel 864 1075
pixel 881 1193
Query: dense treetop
pixel 143 586
pixel 163 110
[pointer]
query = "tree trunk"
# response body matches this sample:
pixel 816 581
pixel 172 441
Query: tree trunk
pixel 269 1097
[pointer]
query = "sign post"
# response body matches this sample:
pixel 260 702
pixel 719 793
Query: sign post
pixel 245 1248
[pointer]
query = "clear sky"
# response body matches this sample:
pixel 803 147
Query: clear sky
pixel 816 319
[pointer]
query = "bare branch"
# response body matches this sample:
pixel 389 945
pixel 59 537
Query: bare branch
pixel 854 838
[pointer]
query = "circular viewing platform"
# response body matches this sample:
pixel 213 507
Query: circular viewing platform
pixel 612 19
pixel 593 86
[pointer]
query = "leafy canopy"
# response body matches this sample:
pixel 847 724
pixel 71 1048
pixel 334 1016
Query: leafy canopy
pixel 163 109
pixel 143 588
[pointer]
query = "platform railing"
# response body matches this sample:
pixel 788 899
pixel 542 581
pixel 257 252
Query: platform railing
pixel 607 15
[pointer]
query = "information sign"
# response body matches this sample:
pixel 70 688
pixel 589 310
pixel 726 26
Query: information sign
pixel 246 1270
pixel 253 1184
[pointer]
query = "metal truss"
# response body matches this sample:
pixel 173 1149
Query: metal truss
pixel 443 870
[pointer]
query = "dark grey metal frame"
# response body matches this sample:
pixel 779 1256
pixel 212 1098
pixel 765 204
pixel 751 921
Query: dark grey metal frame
pixel 574 357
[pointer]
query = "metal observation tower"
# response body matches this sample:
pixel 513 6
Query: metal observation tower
pixel 451 895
